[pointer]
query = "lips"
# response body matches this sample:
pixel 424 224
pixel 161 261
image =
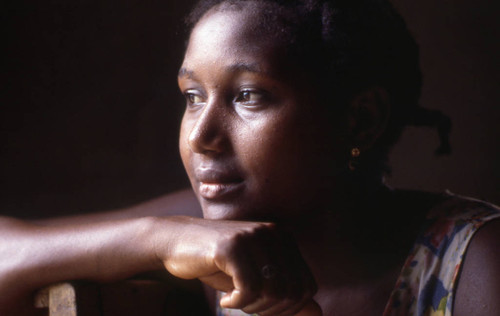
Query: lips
pixel 217 184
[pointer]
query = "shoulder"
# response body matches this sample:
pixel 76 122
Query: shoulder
pixel 478 287
pixel 449 253
pixel 463 209
pixel 473 228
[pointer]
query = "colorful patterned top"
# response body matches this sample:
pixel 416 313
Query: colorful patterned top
pixel 427 284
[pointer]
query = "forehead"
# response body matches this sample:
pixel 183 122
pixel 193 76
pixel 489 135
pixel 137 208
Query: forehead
pixel 232 36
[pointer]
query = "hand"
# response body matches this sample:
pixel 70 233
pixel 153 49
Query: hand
pixel 311 309
pixel 256 264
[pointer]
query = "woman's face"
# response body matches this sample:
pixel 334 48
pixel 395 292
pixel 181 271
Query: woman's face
pixel 253 140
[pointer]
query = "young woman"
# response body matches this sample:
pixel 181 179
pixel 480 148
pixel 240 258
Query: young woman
pixel 291 108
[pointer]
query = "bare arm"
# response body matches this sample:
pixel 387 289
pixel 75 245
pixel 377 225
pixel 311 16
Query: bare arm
pixel 102 246
pixel 226 255
pixel 33 256
pixel 479 284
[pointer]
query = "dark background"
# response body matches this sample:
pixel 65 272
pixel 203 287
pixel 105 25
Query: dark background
pixel 90 109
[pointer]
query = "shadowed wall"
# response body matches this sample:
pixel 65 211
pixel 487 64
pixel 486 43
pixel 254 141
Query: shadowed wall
pixel 459 51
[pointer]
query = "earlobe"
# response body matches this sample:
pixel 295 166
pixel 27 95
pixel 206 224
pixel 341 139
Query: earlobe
pixel 368 116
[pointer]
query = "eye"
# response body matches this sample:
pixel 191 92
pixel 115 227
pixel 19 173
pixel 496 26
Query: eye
pixel 250 97
pixel 193 97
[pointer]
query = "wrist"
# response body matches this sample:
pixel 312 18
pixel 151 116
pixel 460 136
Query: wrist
pixel 166 234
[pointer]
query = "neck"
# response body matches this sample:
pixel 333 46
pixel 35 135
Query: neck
pixel 356 247
pixel 363 235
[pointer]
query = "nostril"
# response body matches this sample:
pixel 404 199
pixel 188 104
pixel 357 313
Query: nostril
pixel 207 136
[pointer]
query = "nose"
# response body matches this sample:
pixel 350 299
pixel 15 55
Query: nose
pixel 209 134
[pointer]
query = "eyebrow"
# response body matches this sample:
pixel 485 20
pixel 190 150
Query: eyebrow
pixel 183 72
pixel 245 67
pixel 237 67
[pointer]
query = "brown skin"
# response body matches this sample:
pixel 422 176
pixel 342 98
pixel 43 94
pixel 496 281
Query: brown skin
pixel 250 140
pixel 479 282
pixel 254 156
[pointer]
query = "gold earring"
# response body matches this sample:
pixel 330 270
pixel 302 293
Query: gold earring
pixel 353 161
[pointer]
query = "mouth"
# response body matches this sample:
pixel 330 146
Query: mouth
pixel 216 184
pixel 218 191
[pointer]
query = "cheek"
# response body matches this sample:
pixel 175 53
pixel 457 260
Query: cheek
pixel 268 148
pixel 184 148
pixel 288 153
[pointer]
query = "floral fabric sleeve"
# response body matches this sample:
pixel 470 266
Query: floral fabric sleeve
pixel 427 281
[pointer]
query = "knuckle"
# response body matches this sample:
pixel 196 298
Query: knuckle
pixel 229 245
pixel 235 241
pixel 218 253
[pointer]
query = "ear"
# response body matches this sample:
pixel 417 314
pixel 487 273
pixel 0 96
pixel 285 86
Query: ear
pixel 368 116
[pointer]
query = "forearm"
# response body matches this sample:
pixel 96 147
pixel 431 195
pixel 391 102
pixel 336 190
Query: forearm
pixel 103 246
pixel 33 256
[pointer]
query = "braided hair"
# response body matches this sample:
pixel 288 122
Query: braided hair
pixel 351 45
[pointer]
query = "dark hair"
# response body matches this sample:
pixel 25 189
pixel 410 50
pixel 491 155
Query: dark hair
pixel 354 45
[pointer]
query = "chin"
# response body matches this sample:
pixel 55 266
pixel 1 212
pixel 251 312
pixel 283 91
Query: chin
pixel 221 211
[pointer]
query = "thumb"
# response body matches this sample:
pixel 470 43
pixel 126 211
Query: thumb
pixel 310 309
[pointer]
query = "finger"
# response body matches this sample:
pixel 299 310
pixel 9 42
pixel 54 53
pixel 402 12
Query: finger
pixel 219 281
pixel 261 304
pixel 263 249
pixel 290 284
pixel 287 307
pixel 295 301
pixel 254 290
pixel 243 293
pixel 273 291
pixel 238 262
pixel 276 308
pixel 311 308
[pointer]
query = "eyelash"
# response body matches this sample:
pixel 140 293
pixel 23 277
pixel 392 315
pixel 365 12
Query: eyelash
pixel 243 97
pixel 190 98
pixel 247 94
